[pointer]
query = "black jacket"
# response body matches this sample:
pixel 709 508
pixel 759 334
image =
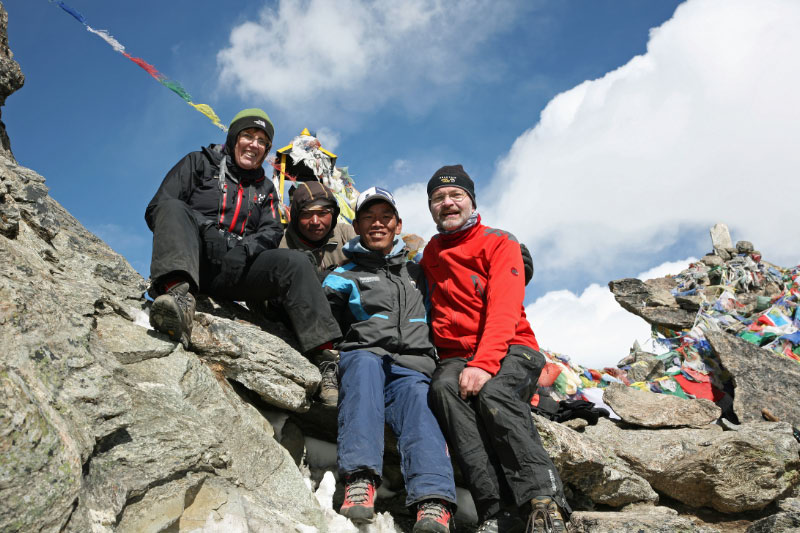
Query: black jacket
pixel 244 203
pixel 379 302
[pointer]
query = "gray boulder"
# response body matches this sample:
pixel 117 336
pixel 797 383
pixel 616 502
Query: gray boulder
pixel 732 471
pixel 654 304
pixel 641 408
pixel 762 379
pixel 590 469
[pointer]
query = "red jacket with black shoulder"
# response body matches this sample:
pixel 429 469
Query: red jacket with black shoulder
pixel 477 287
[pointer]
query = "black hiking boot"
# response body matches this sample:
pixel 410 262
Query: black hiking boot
pixel 173 312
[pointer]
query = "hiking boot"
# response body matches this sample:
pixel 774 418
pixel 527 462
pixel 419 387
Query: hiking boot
pixel 502 522
pixel 329 384
pixel 359 498
pixel 545 517
pixel 173 312
pixel 433 516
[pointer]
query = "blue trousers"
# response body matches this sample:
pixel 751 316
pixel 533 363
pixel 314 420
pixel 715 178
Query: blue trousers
pixel 374 391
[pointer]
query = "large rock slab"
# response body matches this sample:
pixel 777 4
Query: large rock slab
pixel 590 469
pixel 732 471
pixel 263 363
pixel 762 379
pixel 642 519
pixel 642 408
pixel 654 304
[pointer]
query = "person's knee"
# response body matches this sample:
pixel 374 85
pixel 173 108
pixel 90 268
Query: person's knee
pixel 170 206
pixel 491 394
pixel 359 362
pixel 442 389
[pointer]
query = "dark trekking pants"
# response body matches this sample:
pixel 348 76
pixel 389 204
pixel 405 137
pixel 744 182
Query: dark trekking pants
pixel 493 437
pixel 373 391
pixel 283 275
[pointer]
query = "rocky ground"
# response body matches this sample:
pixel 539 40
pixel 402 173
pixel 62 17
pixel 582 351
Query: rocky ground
pixel 106 425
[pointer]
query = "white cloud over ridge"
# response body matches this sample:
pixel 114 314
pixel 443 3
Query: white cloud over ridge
pixel 357 53
pixel 701 129
pixel 592 328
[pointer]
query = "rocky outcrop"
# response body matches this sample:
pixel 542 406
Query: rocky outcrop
pixel 107 425
pixel 11 79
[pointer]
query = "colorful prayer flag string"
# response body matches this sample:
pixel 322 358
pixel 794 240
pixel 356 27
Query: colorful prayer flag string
pixel 172 85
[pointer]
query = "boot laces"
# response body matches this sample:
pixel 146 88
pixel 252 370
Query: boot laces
pixel 541 519
pixel 435 510
pixel 357 491
pixel 328 369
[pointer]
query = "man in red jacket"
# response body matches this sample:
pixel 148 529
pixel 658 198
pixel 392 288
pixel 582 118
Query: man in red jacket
pixel 489 362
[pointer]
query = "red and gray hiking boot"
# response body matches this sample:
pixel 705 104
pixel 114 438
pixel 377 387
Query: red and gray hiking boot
pixel 173 312
pixel 433 516
pixel 545 517
pixel 359 498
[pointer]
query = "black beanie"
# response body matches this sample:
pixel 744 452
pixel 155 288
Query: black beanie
pixel 452 176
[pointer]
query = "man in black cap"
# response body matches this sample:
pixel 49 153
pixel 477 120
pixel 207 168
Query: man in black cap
pixel 489 361
pixel 215 231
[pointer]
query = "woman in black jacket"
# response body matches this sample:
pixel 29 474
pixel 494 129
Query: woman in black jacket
pixel 216 231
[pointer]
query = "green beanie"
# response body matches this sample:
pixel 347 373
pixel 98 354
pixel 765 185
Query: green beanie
pixel 249 118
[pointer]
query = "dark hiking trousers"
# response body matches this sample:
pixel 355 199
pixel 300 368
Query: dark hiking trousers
pixel 283 275
pixel 492 436
pixel 374 391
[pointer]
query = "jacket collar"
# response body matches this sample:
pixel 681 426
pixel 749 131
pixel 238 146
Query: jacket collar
pixel 356 251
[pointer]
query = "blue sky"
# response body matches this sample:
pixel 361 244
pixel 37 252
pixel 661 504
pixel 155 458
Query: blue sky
pixel 608 148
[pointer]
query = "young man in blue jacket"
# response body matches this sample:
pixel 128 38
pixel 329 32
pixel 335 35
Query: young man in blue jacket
pixel 386 362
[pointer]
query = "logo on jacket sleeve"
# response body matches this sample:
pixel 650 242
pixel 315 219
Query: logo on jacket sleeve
pixel 260 199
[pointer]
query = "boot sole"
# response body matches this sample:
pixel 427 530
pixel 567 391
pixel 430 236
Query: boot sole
pixel 165 316
pixel 359 515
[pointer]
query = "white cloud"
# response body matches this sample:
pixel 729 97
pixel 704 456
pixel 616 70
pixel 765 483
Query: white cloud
pixel 592 328
pixel 412 203
pixel 304 54
pixel 328 138
pixel 666 269
pixel 701 129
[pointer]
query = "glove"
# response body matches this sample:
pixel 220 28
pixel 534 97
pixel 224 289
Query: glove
pixel 232 266
pixel 527 262
pixel 216 244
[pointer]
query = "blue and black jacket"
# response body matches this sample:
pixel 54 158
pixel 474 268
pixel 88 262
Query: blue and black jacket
pixel 379 302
